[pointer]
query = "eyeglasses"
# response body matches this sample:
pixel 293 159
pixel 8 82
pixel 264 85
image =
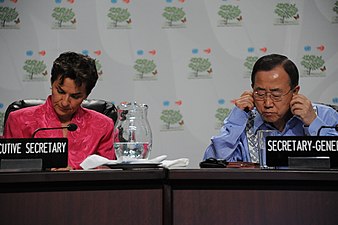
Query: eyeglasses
pixel 275 96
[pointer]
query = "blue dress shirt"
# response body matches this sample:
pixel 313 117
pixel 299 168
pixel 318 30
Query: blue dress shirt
pixel 232 144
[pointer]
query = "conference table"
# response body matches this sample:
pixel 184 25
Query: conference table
pixel 82 197
pixel 253 196
pixel 156 196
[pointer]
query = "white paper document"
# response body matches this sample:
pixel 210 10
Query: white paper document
pixel 94 161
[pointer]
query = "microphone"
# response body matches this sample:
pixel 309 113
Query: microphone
pixel 70 127
pixel 322 127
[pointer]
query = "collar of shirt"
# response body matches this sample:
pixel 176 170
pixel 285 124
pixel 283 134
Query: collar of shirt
pixel 52 114
pixel 259 123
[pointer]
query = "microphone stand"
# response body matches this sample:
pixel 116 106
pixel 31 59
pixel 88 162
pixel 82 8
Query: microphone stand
pixel 70 127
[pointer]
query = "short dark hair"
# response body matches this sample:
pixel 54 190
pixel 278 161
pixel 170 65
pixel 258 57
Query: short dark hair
pixel 269 62
pixel 78 67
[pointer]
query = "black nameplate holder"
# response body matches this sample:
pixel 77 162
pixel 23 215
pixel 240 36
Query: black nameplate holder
pixel 33 154
pixel 302 152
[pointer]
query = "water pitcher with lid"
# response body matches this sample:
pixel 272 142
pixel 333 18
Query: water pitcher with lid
pixel 133 132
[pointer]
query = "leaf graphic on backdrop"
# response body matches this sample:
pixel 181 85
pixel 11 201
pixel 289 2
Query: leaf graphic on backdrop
pixel 29 52
pixel 152 52
pixel 97 52
pixel 263 49
pixel 208 50
pixel 42 53
pixel 321 48
pixel 166 103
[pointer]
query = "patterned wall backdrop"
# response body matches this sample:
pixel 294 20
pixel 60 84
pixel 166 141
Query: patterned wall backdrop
pixel 186 59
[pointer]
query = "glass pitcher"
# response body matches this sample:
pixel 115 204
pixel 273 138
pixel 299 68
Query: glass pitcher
pixel 134 137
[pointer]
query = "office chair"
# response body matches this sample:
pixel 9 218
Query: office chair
pixel 101 106
pixel 335 107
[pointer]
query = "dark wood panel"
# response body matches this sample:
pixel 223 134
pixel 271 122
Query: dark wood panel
pixel 81 175
pixel 222 207
pixel 127 207
pixel 252 174
pixel 175 197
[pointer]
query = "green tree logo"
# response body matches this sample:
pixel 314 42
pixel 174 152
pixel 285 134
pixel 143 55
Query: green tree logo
pixel 229 12
pixel 98 67
pixel 198 64
pixel 286 11
pixel 2 115
pixel 335 10
pixel 144 66
pixel 221 114
pixel 7 15
pixel 173 14
pixel 335 7
pixel 312 62
pixel 170 116
pixel 63 15
pixel 118 15
pixel 34 67
pixel 250 61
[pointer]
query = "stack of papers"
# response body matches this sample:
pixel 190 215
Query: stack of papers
pixel 94 161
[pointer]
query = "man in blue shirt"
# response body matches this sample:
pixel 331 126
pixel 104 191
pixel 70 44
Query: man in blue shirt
pixel 273 104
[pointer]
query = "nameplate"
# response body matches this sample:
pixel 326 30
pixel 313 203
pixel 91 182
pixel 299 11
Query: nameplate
pixel 280 148
pixel 52 151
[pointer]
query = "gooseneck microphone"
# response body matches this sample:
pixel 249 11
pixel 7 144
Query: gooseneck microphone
pixel 322 127
pixel 70 127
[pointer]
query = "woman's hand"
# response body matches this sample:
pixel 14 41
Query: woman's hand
pixel 68 168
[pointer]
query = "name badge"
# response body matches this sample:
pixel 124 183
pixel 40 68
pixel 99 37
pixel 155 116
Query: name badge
pixel 280 148
pixel 52 151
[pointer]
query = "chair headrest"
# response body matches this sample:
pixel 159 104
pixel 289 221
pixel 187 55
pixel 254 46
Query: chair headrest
pixel 101 106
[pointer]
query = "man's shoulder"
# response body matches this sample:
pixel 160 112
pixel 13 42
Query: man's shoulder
pixel 325 107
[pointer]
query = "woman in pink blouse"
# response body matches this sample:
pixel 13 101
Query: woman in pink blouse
pixel 73 78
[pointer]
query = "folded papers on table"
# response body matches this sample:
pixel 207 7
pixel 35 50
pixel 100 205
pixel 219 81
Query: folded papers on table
pixel 94 161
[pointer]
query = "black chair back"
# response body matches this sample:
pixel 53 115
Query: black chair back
pixel 101 106
pixel 335 107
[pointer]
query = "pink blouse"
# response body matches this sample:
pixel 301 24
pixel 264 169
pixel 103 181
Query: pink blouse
pixel 94 134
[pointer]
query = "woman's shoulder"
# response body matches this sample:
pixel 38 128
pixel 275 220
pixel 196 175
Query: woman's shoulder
pixel 27 111
pixel 95 116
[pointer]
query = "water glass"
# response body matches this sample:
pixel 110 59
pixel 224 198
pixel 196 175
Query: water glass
pixel 261 136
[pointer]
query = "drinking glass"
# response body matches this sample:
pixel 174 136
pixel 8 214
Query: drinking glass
pixel 261 136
